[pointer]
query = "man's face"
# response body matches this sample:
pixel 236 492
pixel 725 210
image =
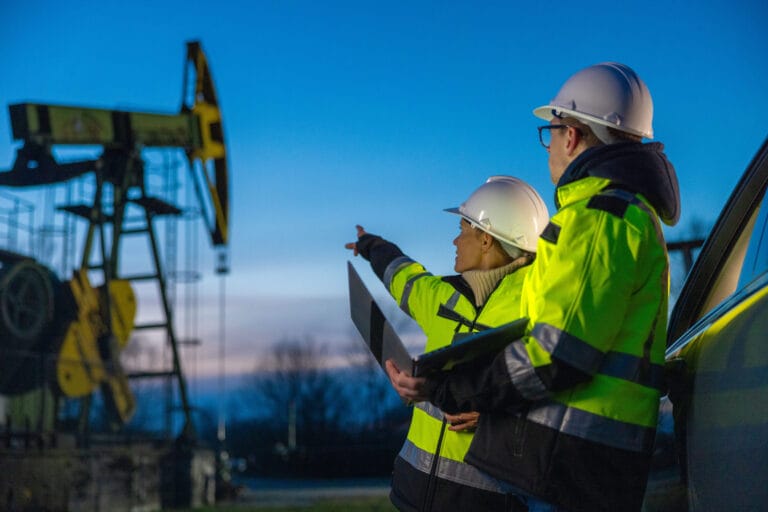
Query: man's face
pixel 468 248
pixel 558 150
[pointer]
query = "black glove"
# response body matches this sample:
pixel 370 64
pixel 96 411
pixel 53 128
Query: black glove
pixel 366 243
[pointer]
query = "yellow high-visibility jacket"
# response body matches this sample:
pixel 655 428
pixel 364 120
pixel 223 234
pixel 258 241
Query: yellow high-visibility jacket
pixel 444 314
pixel 429 471
pixel 568 413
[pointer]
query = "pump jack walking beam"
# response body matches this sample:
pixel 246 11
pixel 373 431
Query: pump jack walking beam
pixel 197 129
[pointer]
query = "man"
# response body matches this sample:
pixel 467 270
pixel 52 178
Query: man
pixel 568 413
pixel 500 224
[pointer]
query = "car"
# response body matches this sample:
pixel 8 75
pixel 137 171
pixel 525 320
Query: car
pixel 712 441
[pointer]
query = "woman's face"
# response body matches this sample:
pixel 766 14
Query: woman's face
pixel 468 248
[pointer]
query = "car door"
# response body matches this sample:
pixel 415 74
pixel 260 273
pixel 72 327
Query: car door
pixel 717 359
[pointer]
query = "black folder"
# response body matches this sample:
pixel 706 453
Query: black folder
pixel 384 343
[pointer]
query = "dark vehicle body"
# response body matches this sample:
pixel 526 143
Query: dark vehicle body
pixel 712 445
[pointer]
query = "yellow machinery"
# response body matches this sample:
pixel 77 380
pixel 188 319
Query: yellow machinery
pixel 75 328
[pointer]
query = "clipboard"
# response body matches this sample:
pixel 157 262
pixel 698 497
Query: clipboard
pixel 384 343
pixel 377 332
pixel 490 341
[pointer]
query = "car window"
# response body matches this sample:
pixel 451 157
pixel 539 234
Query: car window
pixel 756 259
pixel 734 254
pixel 734 273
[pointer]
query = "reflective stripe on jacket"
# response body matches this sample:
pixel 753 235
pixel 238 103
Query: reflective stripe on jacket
pixel 591 367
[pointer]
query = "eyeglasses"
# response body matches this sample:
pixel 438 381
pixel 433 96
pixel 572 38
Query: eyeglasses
pixel 545 133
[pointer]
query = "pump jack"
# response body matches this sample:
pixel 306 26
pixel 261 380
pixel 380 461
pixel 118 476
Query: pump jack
pixel 83 327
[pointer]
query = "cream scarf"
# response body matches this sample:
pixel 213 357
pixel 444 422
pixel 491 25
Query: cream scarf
pixel 483 282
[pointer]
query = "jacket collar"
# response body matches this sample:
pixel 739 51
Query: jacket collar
pixel 638 168
pixel 573 192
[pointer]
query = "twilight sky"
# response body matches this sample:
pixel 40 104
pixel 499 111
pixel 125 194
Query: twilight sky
pixel 383 113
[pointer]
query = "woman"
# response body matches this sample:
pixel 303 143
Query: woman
pixel 499 227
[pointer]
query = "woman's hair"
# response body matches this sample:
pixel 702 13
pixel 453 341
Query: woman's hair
pixel 512 251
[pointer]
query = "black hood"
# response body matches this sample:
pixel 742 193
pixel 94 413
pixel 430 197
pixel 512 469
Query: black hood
pixel 639 168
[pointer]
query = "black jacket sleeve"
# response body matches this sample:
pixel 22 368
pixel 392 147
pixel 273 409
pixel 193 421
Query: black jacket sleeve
pixel 484 385
pixel 481 385
pixel 378 251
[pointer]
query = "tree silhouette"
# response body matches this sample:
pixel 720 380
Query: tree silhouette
pixel 291 385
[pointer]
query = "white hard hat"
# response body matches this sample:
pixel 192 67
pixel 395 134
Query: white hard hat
pixel 607 94
pixel 508 209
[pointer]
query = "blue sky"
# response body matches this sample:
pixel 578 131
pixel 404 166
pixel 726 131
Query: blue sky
pixel 383 114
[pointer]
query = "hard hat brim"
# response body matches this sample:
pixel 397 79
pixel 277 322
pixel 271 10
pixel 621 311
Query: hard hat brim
pixel 546 112
pixel 473 222
pixel 485 229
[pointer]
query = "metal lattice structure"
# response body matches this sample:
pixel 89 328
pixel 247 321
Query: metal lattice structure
pixel 70 320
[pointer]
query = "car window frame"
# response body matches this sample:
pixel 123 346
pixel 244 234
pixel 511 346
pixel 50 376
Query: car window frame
pixel 736 215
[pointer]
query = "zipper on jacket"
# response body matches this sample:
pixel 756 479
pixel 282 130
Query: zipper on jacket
pixel 473 326
pixel 429 495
